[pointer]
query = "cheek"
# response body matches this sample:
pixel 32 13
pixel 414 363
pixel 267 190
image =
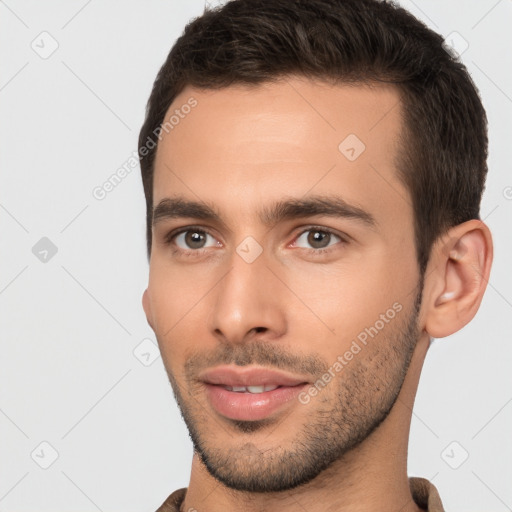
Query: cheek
pixel 336 303
pixel 174 296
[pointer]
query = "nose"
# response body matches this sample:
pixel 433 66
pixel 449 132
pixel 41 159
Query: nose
pixel 249 302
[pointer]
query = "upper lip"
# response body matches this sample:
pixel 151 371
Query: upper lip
pixel 253 376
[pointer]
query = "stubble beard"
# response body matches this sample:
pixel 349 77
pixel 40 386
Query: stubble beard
pixel 342 415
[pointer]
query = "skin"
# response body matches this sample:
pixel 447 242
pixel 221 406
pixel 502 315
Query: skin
pixel 241 150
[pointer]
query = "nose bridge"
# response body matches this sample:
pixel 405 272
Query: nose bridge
pixel 247 299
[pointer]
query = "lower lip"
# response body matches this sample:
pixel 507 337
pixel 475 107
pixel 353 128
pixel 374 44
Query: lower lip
pixel 250 406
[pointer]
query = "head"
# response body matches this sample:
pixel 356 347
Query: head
pixel 313 172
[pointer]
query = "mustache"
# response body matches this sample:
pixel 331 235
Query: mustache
pixel 254 353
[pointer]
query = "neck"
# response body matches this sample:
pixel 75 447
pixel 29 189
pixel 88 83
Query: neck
pixel 370 478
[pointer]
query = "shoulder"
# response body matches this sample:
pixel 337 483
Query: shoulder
pixel 425 494
pixel 173 502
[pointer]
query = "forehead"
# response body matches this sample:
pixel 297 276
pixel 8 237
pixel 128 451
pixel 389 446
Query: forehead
pixel 291 137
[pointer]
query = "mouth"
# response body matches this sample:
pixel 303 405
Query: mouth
pixel 250 394
pixel 252 389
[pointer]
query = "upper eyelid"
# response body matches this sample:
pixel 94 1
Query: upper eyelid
pixel 326 229
pixel 178 231
pixel 319 228
pixel 170 239
pixel 344 239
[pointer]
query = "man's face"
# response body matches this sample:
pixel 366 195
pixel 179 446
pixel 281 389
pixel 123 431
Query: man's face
pixel 297 259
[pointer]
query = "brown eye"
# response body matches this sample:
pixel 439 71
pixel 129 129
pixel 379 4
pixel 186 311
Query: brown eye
pixel 319 239
pixel 316 238
pixel 194 239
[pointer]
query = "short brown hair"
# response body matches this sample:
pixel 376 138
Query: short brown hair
pixel 443 157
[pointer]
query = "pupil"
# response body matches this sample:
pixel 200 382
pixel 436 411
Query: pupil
pixel 318 239
pixel 195 239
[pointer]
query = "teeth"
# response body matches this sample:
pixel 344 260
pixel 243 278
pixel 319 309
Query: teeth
pixel 255 389
pixel 252 389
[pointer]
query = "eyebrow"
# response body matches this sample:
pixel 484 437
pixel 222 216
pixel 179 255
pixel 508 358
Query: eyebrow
pixel 289 209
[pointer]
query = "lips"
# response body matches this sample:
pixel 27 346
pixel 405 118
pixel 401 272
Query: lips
pixel 250 394
pixel 231 376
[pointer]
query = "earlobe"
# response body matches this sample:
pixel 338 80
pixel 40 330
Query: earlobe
pixel 147 308
pixel 459 271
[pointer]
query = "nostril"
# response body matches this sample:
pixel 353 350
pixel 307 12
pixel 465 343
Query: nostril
pixel 260 329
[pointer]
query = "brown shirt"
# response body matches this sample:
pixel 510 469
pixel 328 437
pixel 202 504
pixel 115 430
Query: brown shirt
pixel 423 492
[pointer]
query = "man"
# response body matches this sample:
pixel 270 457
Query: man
pixel 313 171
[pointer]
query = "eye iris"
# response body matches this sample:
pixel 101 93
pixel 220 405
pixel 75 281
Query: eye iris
pixel 319 239
pixel 195 239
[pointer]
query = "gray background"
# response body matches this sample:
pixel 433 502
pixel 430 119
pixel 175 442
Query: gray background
pixel 73 373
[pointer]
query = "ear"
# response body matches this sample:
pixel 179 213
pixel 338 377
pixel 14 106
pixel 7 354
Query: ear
pixel 146 304
pixel 456 277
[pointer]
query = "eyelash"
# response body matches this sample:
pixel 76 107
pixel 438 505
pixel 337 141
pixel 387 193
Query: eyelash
pixel 169 239
pixel 322 250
